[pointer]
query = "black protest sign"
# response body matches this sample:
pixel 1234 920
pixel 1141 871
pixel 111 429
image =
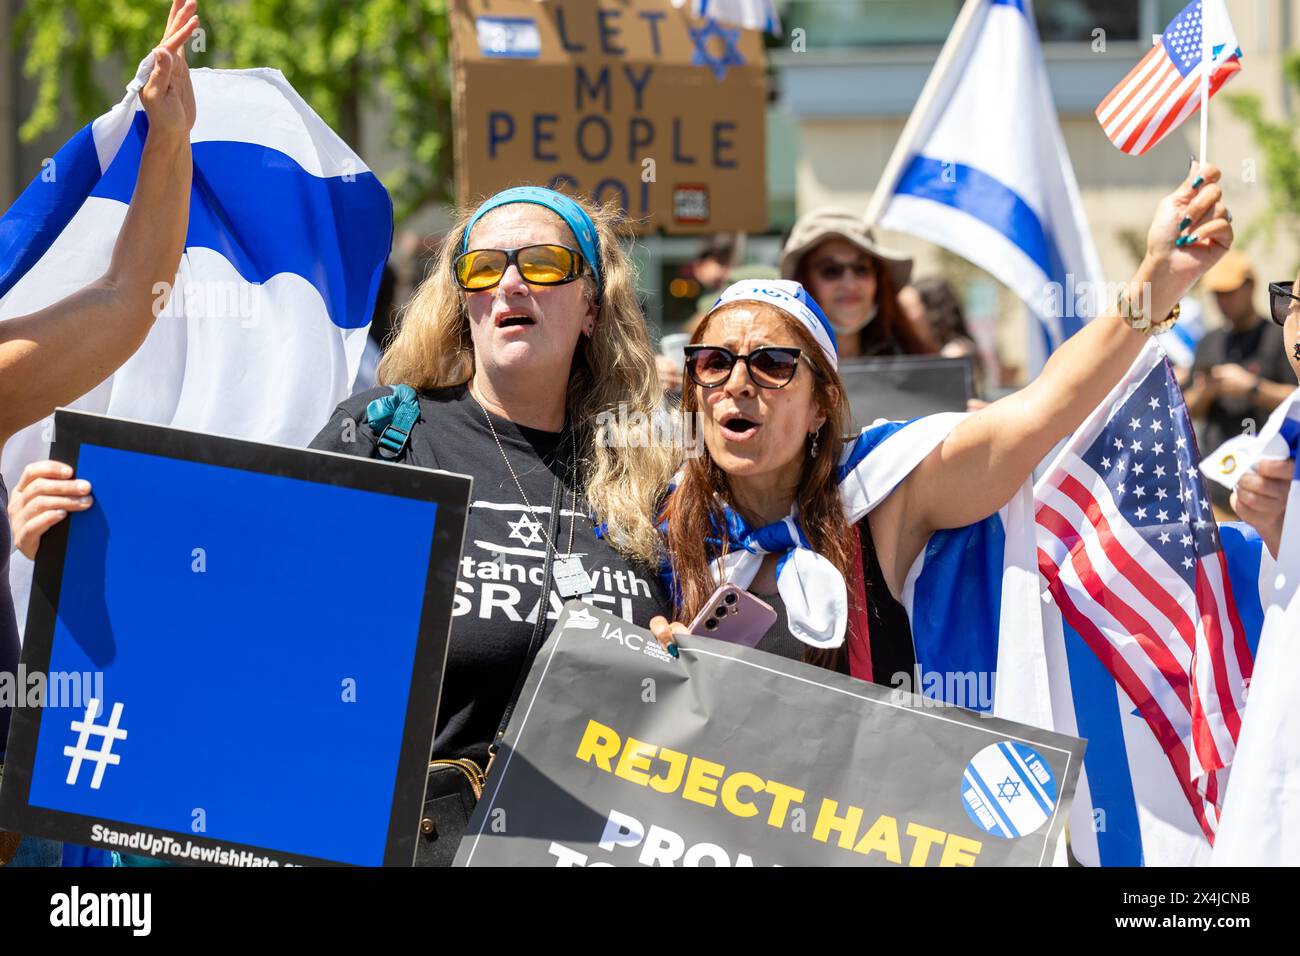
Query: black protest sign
pixel 903 387
pixel 620 754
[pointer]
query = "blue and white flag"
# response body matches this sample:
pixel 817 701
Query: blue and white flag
pixel 1180 342
pixel 982 170
pixel 288 235
pixel 972 595
pixel 1151 627
pixel 750 14
pixel 1261 815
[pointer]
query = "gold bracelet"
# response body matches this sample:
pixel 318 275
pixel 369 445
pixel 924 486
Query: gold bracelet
pixel 1138 321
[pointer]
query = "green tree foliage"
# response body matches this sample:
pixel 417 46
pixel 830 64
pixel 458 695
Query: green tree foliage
pixel 1281 158
pixel 350 59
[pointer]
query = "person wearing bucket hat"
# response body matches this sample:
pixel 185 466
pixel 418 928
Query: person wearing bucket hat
pixel 829 529
pixel 833 255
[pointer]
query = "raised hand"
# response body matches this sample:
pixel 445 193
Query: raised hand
pixel 168 96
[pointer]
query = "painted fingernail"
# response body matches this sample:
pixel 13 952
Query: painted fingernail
pixel 1198 182
pixel 672 649
pixel 1185 223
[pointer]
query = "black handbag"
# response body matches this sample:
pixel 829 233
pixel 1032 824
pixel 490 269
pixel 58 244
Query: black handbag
pixel 454 786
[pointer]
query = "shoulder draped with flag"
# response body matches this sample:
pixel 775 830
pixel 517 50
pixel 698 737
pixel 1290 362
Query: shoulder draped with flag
pixel 965 588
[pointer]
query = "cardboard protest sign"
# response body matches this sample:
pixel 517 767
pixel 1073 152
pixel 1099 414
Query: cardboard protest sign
pixel 261 680
pixel 620 754
pixel 903 387
pixel 630 101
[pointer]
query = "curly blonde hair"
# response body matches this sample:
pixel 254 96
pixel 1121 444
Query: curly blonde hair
pixel 613 395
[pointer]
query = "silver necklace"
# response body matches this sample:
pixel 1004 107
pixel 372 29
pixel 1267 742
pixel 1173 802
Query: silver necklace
pixel 571 578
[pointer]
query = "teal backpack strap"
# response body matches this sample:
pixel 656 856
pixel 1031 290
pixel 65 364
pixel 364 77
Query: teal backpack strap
pixel 392 418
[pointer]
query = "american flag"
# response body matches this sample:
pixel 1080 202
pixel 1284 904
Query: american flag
pixel 1164 88
pixel 1130 551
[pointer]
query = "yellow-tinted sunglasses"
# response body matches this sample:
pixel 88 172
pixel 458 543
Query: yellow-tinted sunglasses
pixel 544 264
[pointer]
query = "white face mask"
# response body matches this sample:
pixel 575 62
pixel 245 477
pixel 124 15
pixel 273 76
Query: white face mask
pixel 858 326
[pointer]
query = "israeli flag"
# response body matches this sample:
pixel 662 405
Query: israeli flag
pixel 1261 813
pixel 750 14
pixel 972 595
pixel 1180 342
pixel 288 235
pixel 982 170
pixel 1128 808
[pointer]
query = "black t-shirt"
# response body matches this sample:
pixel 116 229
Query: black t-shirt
pixel 8 622
pixel 1261 351
pixel 499 586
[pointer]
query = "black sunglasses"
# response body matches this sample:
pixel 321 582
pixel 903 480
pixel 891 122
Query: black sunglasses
pixel 543 264
pixel 772 366
pixel 830 271
pixel 1280 297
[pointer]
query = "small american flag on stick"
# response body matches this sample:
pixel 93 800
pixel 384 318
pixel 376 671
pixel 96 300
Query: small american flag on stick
pixel 1165 87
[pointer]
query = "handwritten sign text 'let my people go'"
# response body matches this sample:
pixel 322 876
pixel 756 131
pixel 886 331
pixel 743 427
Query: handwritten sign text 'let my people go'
pixel 634 103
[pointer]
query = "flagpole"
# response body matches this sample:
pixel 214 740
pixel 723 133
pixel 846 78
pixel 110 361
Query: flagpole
pixel 1205 88
pixel 912 129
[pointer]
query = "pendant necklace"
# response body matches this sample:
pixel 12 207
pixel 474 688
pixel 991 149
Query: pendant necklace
pixel 571 578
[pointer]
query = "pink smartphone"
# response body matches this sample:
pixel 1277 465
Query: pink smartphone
pixel 734 615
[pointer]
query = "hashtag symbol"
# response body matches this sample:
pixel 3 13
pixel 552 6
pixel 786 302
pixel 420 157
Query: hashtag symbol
pixel 104 755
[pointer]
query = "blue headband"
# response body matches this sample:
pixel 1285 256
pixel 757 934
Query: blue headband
pixel 792 299
pixel 574 216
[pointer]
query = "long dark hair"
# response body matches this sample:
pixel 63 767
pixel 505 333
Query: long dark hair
pixel 889 332
pixel 694 510
pixel 943 309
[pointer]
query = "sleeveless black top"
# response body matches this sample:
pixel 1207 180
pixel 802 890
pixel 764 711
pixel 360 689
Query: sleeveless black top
pixel 892 652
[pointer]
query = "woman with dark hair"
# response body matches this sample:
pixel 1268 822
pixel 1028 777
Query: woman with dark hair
pixel 833 255
pixel 782 505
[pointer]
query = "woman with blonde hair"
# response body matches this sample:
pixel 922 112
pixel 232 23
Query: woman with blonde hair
pixel 522 360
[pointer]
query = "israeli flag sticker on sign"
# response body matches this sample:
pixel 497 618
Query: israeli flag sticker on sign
pixel 1008 790
pixel 514 37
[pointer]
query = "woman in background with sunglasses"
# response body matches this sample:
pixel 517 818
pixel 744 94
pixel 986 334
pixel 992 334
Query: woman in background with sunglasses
pixel 833 255
pixel 524 360
pixel 1261 495
pixel 826 531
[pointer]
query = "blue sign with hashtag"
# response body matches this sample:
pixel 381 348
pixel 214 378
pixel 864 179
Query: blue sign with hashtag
pixel 256 675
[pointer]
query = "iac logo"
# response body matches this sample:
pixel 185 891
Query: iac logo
pixel 634 641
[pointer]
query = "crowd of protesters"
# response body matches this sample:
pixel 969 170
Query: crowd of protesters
pixel 528 326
